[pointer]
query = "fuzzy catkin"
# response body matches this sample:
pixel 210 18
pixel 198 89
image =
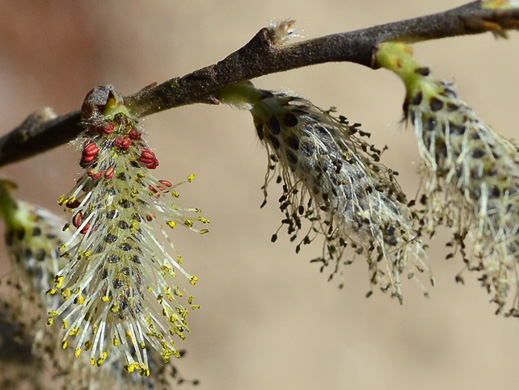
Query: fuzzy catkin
pixel 119 286
pixel 333 178
pixel 471 175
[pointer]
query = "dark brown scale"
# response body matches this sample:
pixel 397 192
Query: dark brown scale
pixel 123 225
pixel 125 271
pixel 135 259
pixel 435 104
pixel 20 234
pixel 259 131
pixel 423 71
pixel 430 124
pixel 125 203
pixel 113 259
pixel 125 247
pixel 451 107
pixel 111 214
pixel 293 142
pixel 121 176
pixel 291 157
pixel 290 120
pixel 417 99
pixel 266 94
pixel 456 130
pixel 449 92
pixel 273 141
pixel 117 283
pixel 10 238
pixel 36 232
pixel 104 273
pixel 478 153
pixel 111 238
pixel 494 192
pixel 274 126
pixel 123 302
pixel 40 255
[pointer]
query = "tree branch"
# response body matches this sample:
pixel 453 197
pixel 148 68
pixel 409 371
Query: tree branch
pixel 262 56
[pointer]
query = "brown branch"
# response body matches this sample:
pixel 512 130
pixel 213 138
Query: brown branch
pixel 262 56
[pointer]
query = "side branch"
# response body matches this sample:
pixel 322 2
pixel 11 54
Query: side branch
pixel 263 56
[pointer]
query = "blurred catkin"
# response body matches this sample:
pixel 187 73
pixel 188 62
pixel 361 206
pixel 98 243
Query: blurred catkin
pixel 332 178
pixel 471 175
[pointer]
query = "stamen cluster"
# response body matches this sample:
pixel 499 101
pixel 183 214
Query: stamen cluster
pixel 471 175
pixel 333 178
pixel 118 286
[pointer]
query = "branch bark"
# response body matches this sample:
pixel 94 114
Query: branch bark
pixel 262 56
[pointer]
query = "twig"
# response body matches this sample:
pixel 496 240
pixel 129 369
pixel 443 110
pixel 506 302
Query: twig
pixel 259 57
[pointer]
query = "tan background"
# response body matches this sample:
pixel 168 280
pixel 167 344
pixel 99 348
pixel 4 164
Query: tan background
pixel 269 320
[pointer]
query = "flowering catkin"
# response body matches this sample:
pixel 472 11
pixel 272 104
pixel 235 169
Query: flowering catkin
pixel 118 286
pixel 471 174
pixel 333 178
pixel 33 236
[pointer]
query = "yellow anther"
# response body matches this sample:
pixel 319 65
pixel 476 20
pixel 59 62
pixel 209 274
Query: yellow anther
pixel 191 177
pixel 66 293
pixel 172 224
pixel 193 280
pixel 78 352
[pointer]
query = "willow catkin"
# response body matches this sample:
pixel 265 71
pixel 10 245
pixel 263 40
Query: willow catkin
pixel 333 178
pixel 471 174
pixel 33 238
pixel 119 286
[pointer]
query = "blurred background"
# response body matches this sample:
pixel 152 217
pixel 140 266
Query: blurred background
pixel 269 319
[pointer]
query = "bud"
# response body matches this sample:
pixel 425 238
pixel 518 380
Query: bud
pixel 118 285
pixel 332 178
pixel 471 174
